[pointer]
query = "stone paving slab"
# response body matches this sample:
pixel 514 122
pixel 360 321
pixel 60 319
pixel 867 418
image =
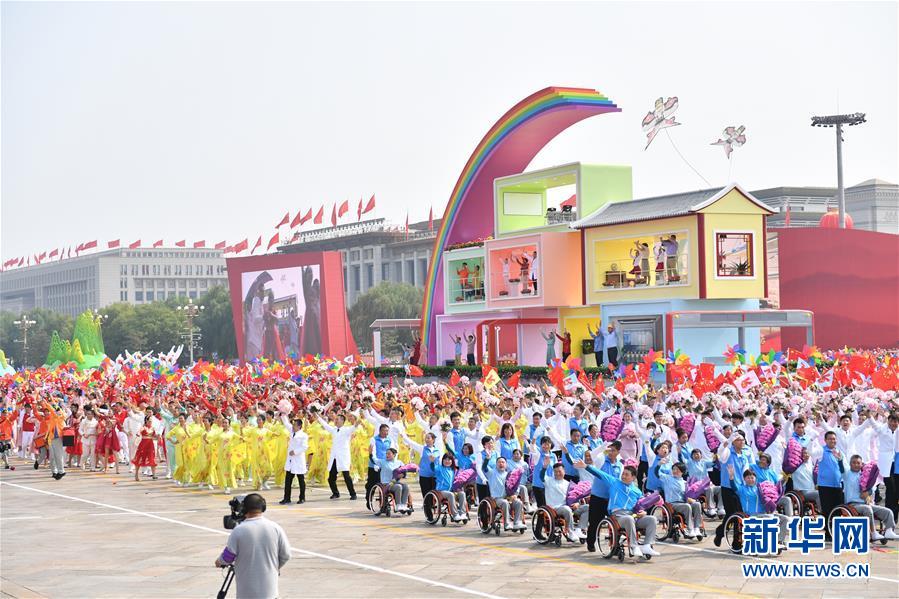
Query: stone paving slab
pixel 57 546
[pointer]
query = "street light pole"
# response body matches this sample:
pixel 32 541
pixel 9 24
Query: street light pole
pixel 837 121
pixel 191 310
pixel 23 325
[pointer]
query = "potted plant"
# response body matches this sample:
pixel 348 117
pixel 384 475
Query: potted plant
pixel 740 269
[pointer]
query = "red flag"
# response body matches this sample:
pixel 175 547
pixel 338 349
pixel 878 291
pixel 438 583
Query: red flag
pixel 272 241
pixel 344 208
pixel 370 205
pixel 89 245
pixel 114 243
pixel 181 244
pixel 415 370
pixel 296 222
pixel 157 244
pixel 431 219
pixel 787 216
pixel 135 245
pixel 220 245
pixel 359 209
pixel 258 243
pixel 53 253
pixel 284 220
pixel 454 378
pixel 513 380
pixel 600 385
pixel 306 217
pixel 241 247
pixel 334 215
pixel 372 379
pixel 200 244
pixel 407 226
pixel 319 216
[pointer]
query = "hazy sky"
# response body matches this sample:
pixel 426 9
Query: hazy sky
pixel 210 120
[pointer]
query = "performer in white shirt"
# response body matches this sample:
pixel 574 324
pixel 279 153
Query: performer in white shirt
pixel 339 458
pixel 295 465
pixel 88 431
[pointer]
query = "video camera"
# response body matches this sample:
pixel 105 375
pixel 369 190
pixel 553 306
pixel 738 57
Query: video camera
pixel 237 514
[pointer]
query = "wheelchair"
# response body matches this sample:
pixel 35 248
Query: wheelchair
pixel 847 510
pixel 437 509
pixel 549 527
pixel 733 533
pixel 490 518
pixel 383 502
pixel 670 525
pixel 801 505
pixel 611 540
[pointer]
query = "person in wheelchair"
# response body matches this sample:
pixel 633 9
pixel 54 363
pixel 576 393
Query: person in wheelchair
pixel 675 489
pixel 556 494
pixel 751 501
pixel 546 450
pixel 397 488
pixel 803 479
pixel 496 480
pixel 698 469
pixel 518 463
pixel 765 473
pixel 623 495
pixel 863 502
pixel 445 474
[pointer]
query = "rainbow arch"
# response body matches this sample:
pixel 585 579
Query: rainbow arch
pixel 506 149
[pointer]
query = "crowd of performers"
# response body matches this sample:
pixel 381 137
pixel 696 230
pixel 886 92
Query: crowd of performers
pixel 650 461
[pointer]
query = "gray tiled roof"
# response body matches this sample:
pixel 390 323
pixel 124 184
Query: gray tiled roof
pixel 646 209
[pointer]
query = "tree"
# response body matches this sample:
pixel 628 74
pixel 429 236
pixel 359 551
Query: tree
pixel 216 323
pixel 39 335
pixel 387 300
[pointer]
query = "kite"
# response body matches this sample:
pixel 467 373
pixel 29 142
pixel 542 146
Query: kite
pixel 659 118
pixel 733 137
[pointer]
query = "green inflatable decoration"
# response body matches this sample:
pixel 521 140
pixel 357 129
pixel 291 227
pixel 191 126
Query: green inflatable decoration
pixel 86 349
pixel 5 368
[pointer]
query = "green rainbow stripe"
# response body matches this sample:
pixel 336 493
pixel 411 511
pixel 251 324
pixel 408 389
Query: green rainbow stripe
pixel 527 109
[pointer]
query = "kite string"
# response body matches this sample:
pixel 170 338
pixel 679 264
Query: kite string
pixel 698 174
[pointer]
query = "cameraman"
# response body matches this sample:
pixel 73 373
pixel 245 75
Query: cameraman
pixel 257 548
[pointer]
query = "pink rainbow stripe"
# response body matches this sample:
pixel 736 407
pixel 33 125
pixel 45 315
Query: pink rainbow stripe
pixel 506 149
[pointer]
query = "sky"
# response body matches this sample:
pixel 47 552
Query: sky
pixel 211 120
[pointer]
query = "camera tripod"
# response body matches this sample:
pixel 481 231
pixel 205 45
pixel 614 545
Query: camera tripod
pixel 226 584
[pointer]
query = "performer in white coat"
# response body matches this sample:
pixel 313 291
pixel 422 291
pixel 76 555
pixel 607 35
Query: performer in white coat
pixel 339 459
pixel 295 465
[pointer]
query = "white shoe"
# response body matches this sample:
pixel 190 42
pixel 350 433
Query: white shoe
pixel 531 508
pixel 211 488
pixel 177 483
pixel 227 490
pixel 876 536
pixel 455 518
pixel 266 486
pixel 572 537
pixel 637 552
pixel 890 534
pixel 721 513
pixel 168 477
pixel 648 550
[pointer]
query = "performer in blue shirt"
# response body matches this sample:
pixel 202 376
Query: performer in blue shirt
pixel 863 501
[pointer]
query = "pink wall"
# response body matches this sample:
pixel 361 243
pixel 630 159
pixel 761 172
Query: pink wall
pixel 848 278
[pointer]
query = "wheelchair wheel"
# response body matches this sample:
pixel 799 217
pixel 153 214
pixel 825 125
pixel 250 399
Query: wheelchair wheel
pixel 376 500
pixel 733 532
pixel 432 508
pixel 542 525
pixel 797 501
pixel 607 537
pixel 665 521
pixel 485 516
pixel 842 511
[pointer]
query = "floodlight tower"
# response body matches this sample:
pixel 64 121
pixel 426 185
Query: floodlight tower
pixel 838 120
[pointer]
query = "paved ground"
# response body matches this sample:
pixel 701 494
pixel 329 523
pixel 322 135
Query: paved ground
pixel 92 535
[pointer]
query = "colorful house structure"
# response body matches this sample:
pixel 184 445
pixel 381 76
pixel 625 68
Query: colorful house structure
pixel 523 255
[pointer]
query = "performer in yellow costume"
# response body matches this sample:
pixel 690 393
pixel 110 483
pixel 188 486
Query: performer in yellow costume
pixel 176 436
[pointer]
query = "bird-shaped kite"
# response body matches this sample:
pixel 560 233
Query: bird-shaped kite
pixel 660 117
pixel 732 138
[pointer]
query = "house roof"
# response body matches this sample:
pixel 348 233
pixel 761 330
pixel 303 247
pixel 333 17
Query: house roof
pixel 871 182
pixel 667 206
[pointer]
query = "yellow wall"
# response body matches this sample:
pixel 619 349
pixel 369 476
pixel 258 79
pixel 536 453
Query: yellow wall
pixel 576 321
pixel 734 287
pixel 618 239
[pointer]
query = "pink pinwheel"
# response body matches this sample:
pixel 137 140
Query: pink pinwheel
pixel 462 478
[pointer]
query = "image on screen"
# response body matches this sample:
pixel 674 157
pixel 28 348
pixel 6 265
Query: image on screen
pixel 281 312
